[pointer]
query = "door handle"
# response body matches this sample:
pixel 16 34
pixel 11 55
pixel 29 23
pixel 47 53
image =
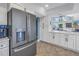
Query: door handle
pixel 53 37
pixel 19 49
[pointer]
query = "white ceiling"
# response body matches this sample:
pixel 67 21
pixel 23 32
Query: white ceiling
pixel 38 5
pixel 40 8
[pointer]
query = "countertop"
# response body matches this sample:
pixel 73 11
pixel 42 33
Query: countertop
pixel 4 39
pixel 64 32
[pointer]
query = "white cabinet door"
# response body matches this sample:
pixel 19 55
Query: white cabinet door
pixel 0 52
pixel 56 38
pixel 77 42
pixel 71 41
pixel 51 37
pixel 63 40
pixel 4 48
pixel 5 51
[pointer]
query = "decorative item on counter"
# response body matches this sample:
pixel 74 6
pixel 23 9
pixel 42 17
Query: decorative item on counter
pixel 61 27
pixel 76 25
pixel 68 25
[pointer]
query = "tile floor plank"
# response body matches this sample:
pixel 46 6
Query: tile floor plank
pixel 45 49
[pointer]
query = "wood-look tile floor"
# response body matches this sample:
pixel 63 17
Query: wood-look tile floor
pixel 45 49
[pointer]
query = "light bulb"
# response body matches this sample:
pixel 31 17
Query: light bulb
pixel 46 5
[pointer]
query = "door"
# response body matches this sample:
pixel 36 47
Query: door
pixel 0 51
pixel 38 28
pixel 71 41
pixel 77 41
pixel 42 27
pixel 4 48
pixel 56 38
pixel 51 37
pixel 63 40
pixel 32 27
pixel 19 28
pixel 6 53
pixel 25 50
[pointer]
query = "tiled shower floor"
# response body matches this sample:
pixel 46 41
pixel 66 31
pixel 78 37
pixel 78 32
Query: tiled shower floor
pixel 45 49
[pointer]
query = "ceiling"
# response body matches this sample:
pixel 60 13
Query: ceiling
pixel 38 5
pixel 39 8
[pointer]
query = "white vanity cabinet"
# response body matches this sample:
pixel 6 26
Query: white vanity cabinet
pixel 4 47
